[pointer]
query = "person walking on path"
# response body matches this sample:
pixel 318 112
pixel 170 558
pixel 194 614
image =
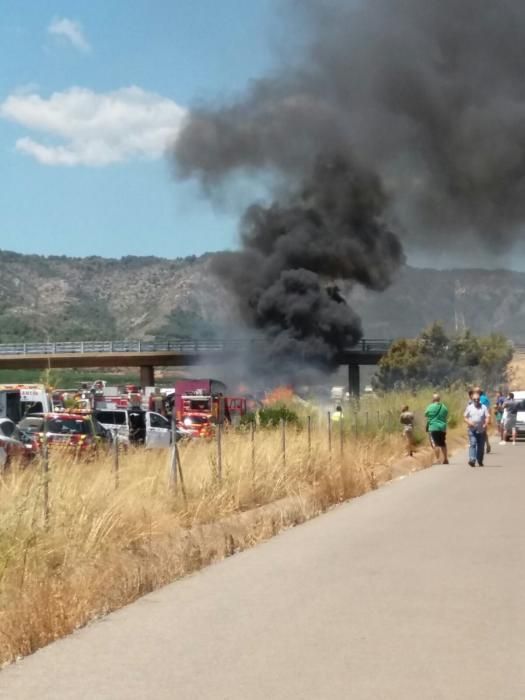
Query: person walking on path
pixel 477 418
pixel 485 401
pixel 407 421
pixel 498 415
pixel 500 399
pixel 437 417
pixel 510 419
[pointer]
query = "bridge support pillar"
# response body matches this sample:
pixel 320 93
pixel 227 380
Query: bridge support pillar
pixel 354 381
pixel 147 376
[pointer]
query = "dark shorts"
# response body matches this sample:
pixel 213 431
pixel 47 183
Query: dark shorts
pixel 438 438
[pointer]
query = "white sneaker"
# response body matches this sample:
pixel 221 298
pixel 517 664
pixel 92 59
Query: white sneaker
pixel 503 442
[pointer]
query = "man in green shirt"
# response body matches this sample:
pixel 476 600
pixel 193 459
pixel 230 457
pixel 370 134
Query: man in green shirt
pixel 437 418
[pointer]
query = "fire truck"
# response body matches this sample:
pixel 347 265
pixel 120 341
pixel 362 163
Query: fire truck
pixel 200 404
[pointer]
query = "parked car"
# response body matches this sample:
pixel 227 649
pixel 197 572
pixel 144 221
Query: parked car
pixel 137 427
pixel 519 396
pixel 76 433
pixel 11 447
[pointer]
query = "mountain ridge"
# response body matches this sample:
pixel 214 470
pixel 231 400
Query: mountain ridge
pixel 65 298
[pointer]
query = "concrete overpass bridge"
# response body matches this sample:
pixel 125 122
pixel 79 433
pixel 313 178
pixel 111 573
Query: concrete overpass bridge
pixel 147 355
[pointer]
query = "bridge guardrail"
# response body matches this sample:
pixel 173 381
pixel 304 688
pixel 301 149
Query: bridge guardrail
pixel 169 345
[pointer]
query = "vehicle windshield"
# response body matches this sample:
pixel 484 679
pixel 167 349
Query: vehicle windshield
pixel 198 404
pixel 111 417
pixel 69 426
pixel 65 426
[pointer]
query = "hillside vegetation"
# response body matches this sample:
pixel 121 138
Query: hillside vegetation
pixel 137 297
pixel 96 298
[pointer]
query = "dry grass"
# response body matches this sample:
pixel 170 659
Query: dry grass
pixel 103 547
pixel 517 372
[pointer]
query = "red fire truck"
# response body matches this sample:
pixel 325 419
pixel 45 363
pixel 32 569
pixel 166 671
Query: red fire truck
pixel 199 404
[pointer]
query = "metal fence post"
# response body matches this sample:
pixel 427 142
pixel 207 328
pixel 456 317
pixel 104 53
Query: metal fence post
pixel 173 462
pixel 116 458
pixel 341 436
pixel 309 433
pixel 179 465
pixel 283 441
pixel 45 473
pixel 329 416
pixel 219 451
pixel 252 437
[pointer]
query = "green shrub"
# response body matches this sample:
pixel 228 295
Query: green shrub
pixel 248 419
pixel 271 416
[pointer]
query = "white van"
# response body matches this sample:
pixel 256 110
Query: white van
pixel 135 426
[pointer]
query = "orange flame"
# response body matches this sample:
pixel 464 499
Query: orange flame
pixel 281 394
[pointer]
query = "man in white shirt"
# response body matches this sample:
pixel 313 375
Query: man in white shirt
pixel 477 418
pixel 510 419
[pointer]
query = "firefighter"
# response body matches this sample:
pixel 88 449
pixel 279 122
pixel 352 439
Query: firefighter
pixel 337 415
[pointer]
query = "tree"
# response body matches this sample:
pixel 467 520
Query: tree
pixel 440 360
pixel 402 367
pixel 496 354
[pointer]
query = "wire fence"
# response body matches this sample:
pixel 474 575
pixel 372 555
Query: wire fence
pixel 333 433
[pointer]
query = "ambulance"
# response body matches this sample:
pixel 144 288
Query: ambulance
pixel 20 400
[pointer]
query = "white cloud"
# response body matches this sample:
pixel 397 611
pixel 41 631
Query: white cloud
pixel 95 129
pixel 70 30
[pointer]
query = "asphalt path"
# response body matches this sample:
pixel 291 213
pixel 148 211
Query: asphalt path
pixel 412 592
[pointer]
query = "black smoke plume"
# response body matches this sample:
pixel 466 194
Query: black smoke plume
pixel 429 95
pixel 331 229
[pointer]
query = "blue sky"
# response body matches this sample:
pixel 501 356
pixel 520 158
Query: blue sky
pixel 89 89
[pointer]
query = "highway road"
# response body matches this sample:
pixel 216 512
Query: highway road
pixel 413 592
